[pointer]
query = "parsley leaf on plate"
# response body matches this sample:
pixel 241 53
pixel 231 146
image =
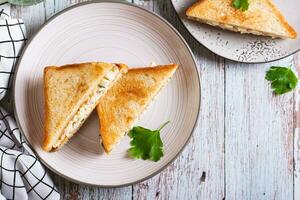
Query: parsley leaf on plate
pixel 145 143
pixel 241 4
pixel 282 79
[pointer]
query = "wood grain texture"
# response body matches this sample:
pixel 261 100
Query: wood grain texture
pixel 258 136
pixel 33 16
pixel 297 131
pixel 247 141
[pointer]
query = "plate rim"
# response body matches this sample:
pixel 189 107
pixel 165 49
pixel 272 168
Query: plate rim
pixel 54 17
pixel 230 59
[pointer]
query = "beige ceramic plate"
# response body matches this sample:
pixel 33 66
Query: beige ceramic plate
pixel 244 48
pixel 111 32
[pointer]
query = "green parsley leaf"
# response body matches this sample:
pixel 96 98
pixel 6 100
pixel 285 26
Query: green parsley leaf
pixel 146 144
pixel 241 4
pixel 282 79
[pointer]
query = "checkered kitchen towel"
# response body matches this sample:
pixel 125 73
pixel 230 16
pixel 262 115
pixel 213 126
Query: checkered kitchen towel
pixel 21 174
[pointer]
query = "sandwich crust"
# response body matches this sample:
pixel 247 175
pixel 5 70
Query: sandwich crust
pixel 66 89
pixel 126 100
pixel 262 17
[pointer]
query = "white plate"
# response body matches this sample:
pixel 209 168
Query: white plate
pixel 244 48
pixel 111 32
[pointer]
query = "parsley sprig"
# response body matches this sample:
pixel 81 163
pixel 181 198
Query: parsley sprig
pixel 146 144
pixel 241 4
pixel 282 79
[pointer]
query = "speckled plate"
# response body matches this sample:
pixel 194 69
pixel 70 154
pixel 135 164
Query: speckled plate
pixel 244 48
pixel 110 32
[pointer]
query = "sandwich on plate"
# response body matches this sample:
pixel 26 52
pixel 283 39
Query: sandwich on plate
pixel 71 93
pixel 126 100
pixel 261 17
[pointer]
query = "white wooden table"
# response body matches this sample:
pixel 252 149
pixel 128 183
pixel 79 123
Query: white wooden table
pixel 246 145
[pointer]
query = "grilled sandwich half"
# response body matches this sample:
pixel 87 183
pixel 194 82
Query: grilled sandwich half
pixel 71 93
pixel 126 100
pixel 261 18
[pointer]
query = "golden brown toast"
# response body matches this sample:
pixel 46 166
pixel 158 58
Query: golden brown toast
pixel 125 101
pixel 261 18
pixel 67 91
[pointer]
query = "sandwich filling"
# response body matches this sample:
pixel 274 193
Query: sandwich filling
pixel 87 107
pixel 240 29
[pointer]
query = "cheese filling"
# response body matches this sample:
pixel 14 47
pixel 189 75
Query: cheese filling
pixel 86 109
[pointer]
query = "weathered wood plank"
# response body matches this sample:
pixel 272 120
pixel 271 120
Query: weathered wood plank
pixel 33 16
pixel 49 6
pixel 54 6
pixel 73 191
pixel 258 135
pixel 199 172
pixel 148 4
pixel 297 132
pixel 60 5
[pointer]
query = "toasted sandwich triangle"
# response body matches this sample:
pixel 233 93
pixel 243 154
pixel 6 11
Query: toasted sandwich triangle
pixel 126 100
pixel 261 18
pixel 66 90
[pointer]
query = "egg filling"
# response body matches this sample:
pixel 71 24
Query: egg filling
pixel 87 107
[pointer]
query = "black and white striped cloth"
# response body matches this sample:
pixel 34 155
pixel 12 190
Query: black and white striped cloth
pixel 21 174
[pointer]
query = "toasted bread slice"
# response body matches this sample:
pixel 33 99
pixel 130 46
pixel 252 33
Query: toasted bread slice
pixel 125 101
pixel 71 93
pixel 261 18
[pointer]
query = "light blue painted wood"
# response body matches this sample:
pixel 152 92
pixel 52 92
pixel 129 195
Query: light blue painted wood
pixel 297 131
pixel 33 16
pixel 259 135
